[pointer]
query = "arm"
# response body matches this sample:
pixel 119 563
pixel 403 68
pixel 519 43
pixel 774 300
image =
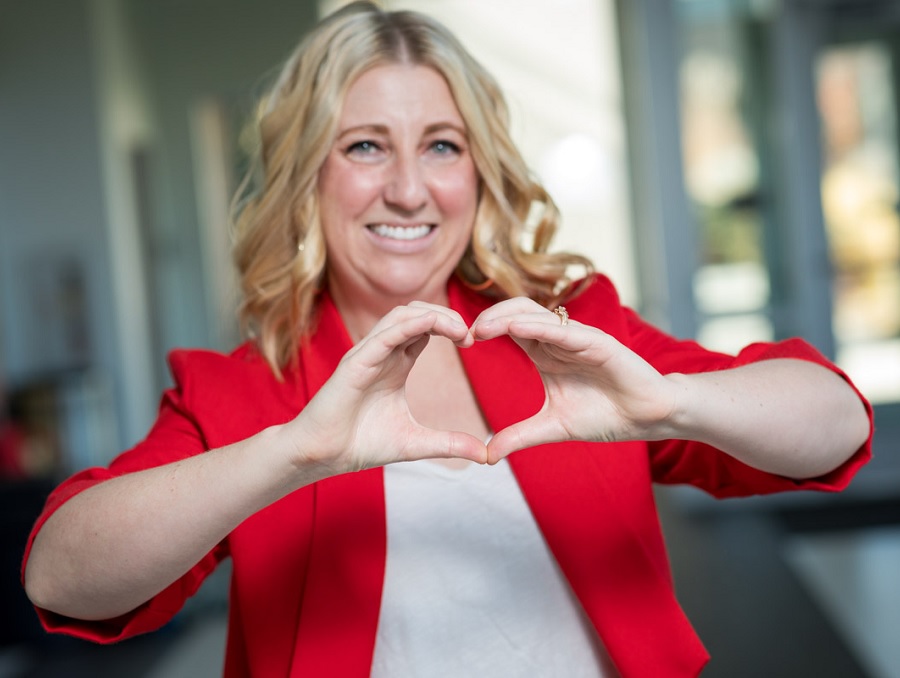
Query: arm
pixel 789 417
pixel 783 416
pixel 117 544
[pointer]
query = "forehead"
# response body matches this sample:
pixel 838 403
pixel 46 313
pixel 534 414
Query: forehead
pixel 399 93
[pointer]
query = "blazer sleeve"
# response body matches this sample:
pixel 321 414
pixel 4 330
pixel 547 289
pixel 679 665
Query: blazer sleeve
pixel 175 435
pixel 719 474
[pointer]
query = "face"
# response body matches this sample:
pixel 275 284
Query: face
pixel 398 191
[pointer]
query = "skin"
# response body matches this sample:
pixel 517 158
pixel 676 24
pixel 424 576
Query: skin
pixel 115 545
pixel 401 158
pixel 771 415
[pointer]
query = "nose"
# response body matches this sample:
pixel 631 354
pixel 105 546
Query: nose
pixel 405 188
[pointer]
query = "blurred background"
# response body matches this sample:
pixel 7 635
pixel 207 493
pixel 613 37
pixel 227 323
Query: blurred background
pixel 732 164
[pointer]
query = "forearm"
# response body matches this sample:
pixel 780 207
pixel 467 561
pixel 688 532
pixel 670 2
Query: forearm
pixel 117 544
pixel 789 417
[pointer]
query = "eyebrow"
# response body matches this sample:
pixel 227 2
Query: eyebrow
pixel 385 130
pixel 441 126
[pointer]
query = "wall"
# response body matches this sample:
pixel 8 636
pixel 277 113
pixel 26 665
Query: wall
pixel 100 240
pixel 55 284
pixel 194 52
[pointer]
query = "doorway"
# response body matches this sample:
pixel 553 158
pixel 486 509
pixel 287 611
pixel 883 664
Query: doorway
pixel 792 168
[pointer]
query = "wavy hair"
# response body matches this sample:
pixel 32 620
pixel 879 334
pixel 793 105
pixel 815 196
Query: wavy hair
pixel 280 250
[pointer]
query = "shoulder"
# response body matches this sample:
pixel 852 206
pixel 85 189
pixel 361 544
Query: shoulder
pixel 244 362
pixel 595 301
pixel 595 289
pixel 231 391
pixel 208 372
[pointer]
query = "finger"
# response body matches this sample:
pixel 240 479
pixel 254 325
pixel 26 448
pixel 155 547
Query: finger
pixel 496 321
pixel 464 339
pixel 508 307
pixel 542 325
pixel 437 308
pixel 405 325
pixel 402 314
pixel 447 323
pixel 573 336
pixel 491 328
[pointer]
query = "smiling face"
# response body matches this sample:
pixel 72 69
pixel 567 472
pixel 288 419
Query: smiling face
pixel 398 191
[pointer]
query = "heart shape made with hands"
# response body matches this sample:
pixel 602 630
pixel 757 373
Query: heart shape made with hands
pixel 590 387
pixel 453 408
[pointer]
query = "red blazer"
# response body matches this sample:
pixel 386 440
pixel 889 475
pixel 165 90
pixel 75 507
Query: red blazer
pixel 308 570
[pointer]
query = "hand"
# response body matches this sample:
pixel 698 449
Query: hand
pixel 360 418
pixel 596 388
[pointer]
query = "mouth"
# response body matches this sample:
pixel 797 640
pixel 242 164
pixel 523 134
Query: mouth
pixel 415 232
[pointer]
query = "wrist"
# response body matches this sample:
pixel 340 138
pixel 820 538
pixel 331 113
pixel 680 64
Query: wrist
pixel 304 457
pixel 679 421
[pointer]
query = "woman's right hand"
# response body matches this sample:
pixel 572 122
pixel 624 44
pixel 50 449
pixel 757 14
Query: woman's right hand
pixel 360 417
pixel 122 541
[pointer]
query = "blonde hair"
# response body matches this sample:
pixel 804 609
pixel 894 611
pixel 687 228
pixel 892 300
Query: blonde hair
pixel 280 250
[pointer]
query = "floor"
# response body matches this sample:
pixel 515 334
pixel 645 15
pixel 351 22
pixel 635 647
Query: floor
pixel 854 579
pixel 790 591
pixel 777 592
pixel 192 646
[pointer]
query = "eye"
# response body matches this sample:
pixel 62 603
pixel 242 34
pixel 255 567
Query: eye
pixel 445 147
pixel 366 147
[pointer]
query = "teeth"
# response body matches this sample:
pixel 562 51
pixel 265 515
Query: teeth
pixel 402 232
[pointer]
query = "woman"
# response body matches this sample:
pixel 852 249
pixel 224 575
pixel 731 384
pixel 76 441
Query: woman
pixel 398 318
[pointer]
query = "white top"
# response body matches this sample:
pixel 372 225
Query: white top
pixel 471 588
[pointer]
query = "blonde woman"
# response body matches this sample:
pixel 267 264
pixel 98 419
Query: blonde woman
pixel 434 454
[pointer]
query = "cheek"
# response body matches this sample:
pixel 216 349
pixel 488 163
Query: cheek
pixel 459 194
pixel 345 191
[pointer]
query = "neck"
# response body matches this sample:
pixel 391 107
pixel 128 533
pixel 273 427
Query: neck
pixel 361 311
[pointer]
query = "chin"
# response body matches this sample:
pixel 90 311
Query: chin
pixel 409 287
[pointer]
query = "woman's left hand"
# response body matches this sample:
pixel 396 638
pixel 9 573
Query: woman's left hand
pixel 596 389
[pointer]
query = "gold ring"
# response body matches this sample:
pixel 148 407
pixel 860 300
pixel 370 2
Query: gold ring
pixel 563 314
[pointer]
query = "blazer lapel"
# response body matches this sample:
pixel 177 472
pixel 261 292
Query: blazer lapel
pixel 570 489
pixel 341 598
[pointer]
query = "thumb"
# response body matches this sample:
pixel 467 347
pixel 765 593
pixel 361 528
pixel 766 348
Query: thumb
pixel 432 444
pixel 535 430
